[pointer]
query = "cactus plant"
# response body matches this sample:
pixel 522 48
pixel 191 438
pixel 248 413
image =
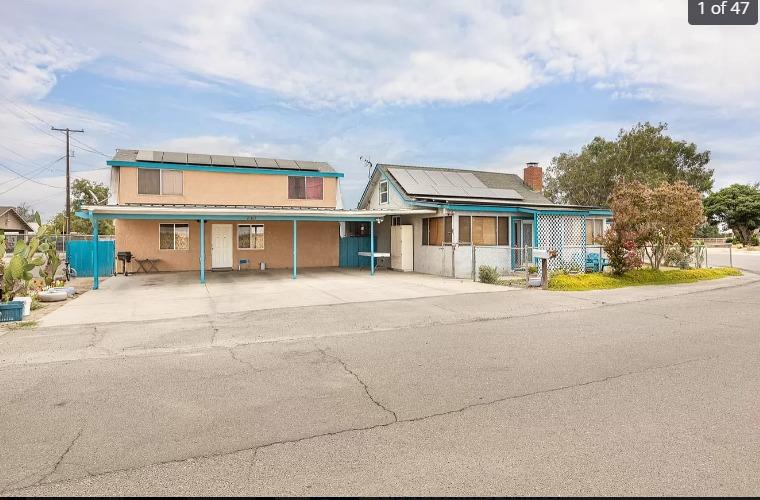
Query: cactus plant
pixel 17 273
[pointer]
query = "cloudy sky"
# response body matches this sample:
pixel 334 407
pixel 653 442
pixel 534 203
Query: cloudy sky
pixel 479 84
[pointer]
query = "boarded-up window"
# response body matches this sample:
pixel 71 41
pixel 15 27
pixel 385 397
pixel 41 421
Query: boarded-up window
pixel 174 237
pixel 503 231
pixel 251 236
pixel 148 181
pixel 305 188
pixel 465 238
pixel 171 182
pixel 425 231
pixel 484 230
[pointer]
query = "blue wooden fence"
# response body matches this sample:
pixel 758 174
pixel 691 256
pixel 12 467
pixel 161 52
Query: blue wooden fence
pixel 349 249
pixel 79 254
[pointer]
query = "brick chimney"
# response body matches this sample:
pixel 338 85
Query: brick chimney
pixel 533 176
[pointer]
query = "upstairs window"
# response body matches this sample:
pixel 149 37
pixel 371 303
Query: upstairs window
pixel 159 181
pixel 305 188
pixel 383 192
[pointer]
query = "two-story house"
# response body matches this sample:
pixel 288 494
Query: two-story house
pixel 184 211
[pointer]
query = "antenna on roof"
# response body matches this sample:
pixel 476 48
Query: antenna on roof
pixel 369 165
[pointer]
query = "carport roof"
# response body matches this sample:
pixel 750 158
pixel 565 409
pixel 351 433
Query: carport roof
pixel 215 212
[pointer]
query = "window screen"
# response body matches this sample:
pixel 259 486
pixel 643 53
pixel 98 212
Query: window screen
pixel 447 230
pixel 171 182
pixel 148 181
pixel 465 238
pixel 296 188
pixel 503 231
pixel 314 188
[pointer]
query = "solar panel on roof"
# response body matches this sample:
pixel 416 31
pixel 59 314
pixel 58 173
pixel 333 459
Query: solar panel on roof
pixel 446 183
pixel 309 165
pixel 170 157
pixel 266 163
pixel 288 164
pixel 199 159
pixel 147 155
pixel 244 161
pixel 222 160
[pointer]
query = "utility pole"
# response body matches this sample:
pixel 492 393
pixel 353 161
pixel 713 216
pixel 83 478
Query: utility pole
pixel 67 215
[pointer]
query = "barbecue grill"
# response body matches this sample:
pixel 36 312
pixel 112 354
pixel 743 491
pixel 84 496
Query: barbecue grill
pixel 125 258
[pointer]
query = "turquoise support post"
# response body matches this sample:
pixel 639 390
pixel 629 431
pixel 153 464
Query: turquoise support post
pixel 95 277
pixel 372 248
pixel 295 248
pixel 535 234
pixel 203 250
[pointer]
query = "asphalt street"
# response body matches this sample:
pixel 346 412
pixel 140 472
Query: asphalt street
pixel 519 393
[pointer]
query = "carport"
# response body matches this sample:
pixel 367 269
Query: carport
pixel 208 214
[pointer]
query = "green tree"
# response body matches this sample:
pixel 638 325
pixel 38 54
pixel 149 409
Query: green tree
pixel 644 154
pixel 707 230
pixel 84 192
pixel 656 218
pixel 738 207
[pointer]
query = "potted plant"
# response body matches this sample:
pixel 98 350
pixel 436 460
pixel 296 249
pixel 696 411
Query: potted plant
pixel 16 276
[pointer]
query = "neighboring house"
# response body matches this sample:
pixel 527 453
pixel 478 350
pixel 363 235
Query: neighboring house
pixel 12 223
pixel 13 226
pixel 213 212
pixel 498 216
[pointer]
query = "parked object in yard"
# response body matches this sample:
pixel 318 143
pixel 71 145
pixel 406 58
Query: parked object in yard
pixel 70 290
pixel 11 311
pixel 52 295
pixel 125 258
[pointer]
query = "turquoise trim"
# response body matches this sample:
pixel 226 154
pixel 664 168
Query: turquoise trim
pixel 203 250
pixel 231 170
pixel 191 216
pixel 372 248
pixel 295 248
pixel 95 270
pixel 607 213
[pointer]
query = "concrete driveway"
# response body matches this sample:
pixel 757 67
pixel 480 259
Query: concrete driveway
pixel 142 297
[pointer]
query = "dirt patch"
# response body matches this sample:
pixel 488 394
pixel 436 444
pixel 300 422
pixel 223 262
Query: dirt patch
pixel 81 285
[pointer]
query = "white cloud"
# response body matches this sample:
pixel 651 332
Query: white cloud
pixel 344 53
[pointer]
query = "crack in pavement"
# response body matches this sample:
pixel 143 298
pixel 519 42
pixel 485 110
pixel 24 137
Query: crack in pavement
pixel 231 350
pixel 358 379
pixel 60 460
pixel 255 449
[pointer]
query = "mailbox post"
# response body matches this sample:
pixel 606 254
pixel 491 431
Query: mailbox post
pixel 544 255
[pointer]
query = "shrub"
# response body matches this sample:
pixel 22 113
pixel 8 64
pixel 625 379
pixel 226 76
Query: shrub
pixel 621 250
pixel 532 269
pixel 489 274
pixel 754 241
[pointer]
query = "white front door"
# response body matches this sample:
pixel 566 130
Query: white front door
pixel 221 246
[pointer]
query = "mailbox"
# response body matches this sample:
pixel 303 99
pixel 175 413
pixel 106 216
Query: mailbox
pixel 544 254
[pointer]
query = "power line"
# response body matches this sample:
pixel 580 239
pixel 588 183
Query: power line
pixel 68 174
pixel 23 176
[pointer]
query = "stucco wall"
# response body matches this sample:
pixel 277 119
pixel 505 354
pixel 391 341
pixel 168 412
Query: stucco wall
pixel 220 188
pixel 317 245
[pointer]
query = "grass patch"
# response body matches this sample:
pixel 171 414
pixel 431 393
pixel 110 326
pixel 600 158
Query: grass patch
pixel 596 281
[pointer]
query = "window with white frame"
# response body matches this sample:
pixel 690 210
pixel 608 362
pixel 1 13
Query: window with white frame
pixel 174 237
pixel 250 237
pixel 383 192
pixel 305 188
pixel 396 220
pixel 159 181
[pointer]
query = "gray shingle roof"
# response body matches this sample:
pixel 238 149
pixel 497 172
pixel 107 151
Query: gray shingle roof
pixel 220 160
pixel 494 180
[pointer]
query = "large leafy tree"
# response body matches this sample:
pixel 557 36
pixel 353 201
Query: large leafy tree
pixel 645 153
pixel 738 207
pixel 657 218
pixel 84 192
